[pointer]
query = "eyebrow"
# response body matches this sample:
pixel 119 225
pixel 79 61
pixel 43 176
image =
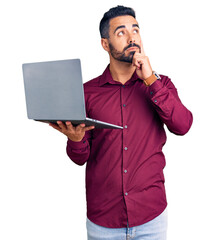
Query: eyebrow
pixel 123 26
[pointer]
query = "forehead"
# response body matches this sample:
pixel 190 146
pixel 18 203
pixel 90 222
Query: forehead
pixel 127 20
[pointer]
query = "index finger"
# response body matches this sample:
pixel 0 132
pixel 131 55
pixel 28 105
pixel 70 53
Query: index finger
pixel 142 49
pixel 89 128
pixel 83 127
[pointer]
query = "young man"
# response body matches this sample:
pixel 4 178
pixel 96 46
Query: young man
pixel 124 172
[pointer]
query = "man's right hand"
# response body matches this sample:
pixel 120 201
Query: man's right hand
pixel 75 134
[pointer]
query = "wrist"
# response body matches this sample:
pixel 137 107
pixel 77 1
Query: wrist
pixel 151 79
pixel 75 139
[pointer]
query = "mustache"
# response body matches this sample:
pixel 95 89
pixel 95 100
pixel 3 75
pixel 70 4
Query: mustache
pixel 132 45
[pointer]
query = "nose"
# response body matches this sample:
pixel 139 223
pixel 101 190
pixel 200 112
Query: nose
pixel 131 39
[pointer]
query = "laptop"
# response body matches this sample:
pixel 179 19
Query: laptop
pixel 54 92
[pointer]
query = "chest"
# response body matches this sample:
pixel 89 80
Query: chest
pixel 118 103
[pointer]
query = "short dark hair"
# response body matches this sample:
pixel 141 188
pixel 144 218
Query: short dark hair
pixel 112 13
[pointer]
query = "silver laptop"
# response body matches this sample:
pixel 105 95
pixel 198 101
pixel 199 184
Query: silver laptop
pixel 54 91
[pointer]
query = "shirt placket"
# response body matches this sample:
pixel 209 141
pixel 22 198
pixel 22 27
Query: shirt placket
pixel 125 150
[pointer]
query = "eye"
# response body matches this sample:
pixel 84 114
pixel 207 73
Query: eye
pixel 135 31
pixel 121 33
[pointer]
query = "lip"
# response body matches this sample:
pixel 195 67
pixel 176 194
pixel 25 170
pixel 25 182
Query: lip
pixel 132 48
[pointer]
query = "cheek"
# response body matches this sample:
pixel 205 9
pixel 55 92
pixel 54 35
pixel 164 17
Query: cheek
pixel 119 43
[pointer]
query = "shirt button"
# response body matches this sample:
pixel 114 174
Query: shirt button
pixel 124 105
pixel 151 92
pixel 126 194
pixel 125 126
pixel 125 148
pixel 125 171
pixel 123 86
pixel 155 101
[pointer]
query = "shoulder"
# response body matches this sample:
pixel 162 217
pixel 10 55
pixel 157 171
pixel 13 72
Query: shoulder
pixel 166 82
pixel 91 87
pixel 92 83
pixel 164 78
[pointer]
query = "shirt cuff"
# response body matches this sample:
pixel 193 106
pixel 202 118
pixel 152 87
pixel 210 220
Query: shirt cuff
pixel 155 87
pixel 78 145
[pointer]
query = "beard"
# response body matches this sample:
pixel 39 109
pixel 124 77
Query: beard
pixel 121 56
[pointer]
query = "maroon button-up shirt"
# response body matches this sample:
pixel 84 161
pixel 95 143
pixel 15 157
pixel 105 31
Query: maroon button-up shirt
pixel 124 171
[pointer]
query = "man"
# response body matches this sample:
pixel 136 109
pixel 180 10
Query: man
pixel 124 173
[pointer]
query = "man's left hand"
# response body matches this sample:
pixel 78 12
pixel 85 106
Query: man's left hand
pixel 143 66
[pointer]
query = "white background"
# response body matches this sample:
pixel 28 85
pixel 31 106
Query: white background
pixel 42 192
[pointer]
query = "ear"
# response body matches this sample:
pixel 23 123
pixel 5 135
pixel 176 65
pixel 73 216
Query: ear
pixel 105 44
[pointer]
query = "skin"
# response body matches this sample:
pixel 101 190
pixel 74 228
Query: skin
pixel 75 134
pixel 121 38
pixel 124 30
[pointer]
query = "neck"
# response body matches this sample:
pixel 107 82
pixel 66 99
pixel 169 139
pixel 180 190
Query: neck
pixel 121 71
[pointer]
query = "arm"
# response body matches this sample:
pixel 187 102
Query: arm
pixel 164 96
pixel 78 147
pixel 173 113
pixel 79 152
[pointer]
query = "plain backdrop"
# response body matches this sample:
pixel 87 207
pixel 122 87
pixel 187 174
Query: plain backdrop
pixel 42 192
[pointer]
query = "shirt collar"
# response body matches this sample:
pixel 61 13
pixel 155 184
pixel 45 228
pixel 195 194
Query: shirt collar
pixel 106 77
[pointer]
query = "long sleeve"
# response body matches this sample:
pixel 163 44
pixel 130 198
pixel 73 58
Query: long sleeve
pixel 79 152
pixel 124 170
pixel 172 112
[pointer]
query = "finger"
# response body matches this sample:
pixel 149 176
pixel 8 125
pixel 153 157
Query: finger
pixel 61 125
pixel 138 62
pixel 89 128
pixel 142 49
pixel 80 127
pixel 134 60
pixel 53 125
pixel 69 126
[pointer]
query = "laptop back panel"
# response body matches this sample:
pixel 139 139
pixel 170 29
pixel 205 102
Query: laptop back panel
pixel 54 89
